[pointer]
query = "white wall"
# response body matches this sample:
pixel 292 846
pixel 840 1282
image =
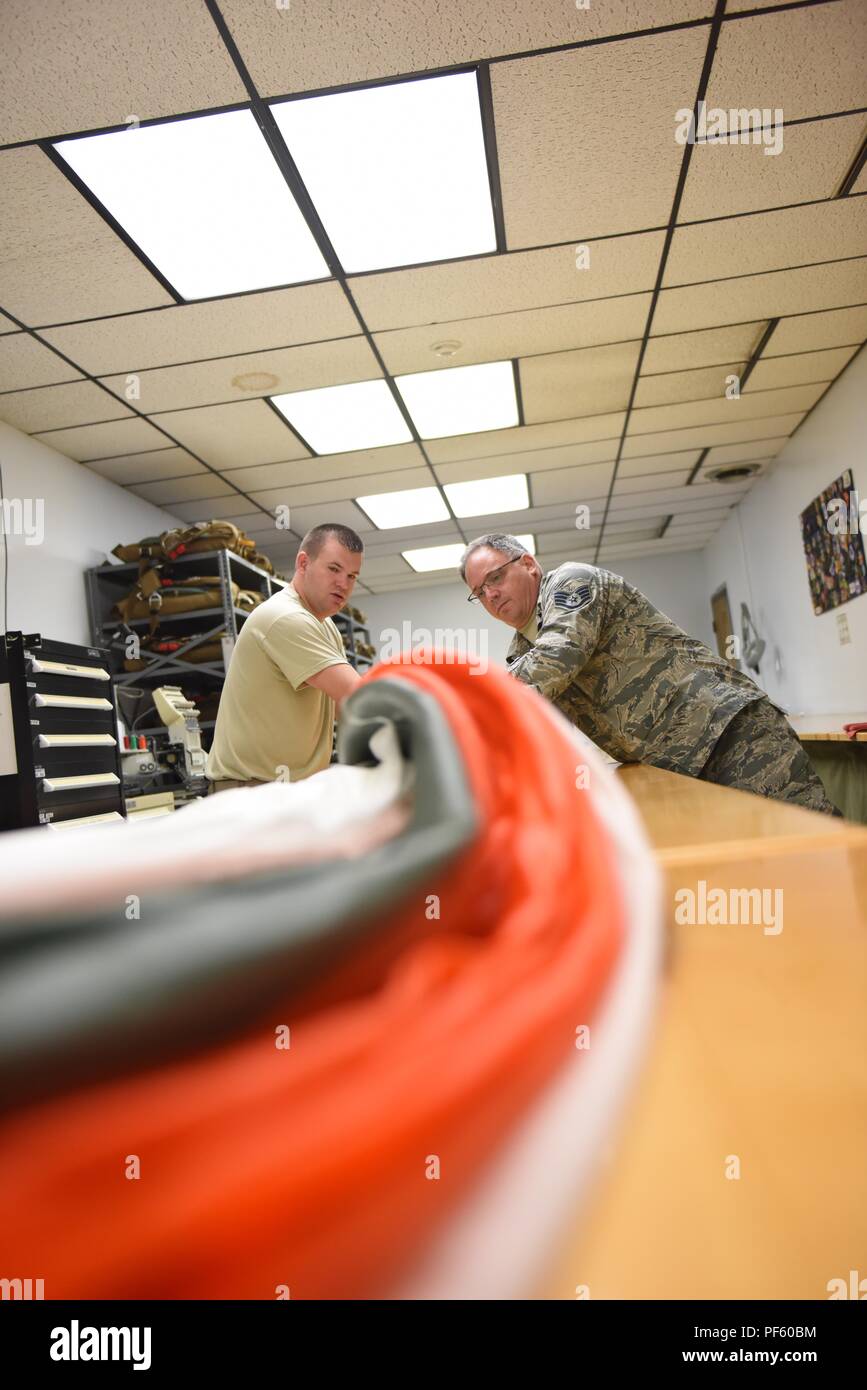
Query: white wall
pixel 675 583
pixel 759 555
pixel 84 516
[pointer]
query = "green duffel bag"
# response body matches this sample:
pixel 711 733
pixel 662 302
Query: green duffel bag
pixel 206 535
pixel 167 646
pixel 187 540
pixel 173 596
pixel 148 549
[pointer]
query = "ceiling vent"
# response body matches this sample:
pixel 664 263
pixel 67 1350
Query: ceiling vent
pixel 733 472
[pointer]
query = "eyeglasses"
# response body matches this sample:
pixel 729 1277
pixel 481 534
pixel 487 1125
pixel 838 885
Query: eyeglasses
pixel 493 578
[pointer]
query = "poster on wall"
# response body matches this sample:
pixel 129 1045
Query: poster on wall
pixel 834 545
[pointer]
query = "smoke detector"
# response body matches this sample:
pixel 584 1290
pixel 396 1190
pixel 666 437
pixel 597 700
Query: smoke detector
pixel 733 472
pixel 447 348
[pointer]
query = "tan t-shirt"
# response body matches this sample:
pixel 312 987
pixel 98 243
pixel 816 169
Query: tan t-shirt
pixel 268 718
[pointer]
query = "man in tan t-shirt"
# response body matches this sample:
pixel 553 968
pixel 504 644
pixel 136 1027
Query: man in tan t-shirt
pixel 289 674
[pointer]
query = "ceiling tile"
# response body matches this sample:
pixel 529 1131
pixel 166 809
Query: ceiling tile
pixel 523 334
pixel 811 332
pixel 104 441
pixel 558 169
pixel 706 348
pixel 657 463
pixel 325 467
pixel 700 522
pixel 330 44
pixel 438 294
pixel 47 278
pixel 564 542
pixel 691 498
pixel 379 543
pixel 311 494
pixel 736 6
pixel 646 529
pixel 171 490
pixel 524 437
pixel 575 485
pixel 212 328
pixel 647 482
pixel 147 466
pixel 744 453
pixel 533 462
pixel 295 369
pixel 723 411
pixel 231 436
pixel 54 407
pixel 386 567
pixel 671 387
pixel 705 436
pixel 611 556
pixel 767 241
pixel 231 508
pixel 761 296
pixel 809 61
pixel 437 578
pixel 268 535
pixel 341 513
pixel 89 63
pixel 725 179
pixel 803 367
pixel 568 385
pixel 24 362
pixel 544 519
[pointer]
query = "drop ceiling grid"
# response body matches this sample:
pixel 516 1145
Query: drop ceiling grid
pixel 75 437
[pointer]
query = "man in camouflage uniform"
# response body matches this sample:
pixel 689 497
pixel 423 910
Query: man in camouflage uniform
pixel 632 680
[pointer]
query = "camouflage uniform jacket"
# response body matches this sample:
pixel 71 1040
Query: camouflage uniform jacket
pixel 625 674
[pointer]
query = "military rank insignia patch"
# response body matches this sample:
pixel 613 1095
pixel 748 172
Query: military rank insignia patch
pixel 578 597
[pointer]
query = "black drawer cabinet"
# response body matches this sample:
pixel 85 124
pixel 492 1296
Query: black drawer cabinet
pixel 59 754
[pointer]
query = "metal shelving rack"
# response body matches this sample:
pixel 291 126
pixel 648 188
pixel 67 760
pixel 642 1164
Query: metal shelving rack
pixel 349 627
pixel 108 583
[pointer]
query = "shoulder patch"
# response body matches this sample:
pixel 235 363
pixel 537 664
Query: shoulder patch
pixel 576 597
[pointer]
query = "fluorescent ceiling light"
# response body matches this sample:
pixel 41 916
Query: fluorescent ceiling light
pixel 461 400
pixel 441 557
pixel 204 200
pixel 398 172
pixel 434 557
pixel 413 507
pixel 337 419
pixel 483 495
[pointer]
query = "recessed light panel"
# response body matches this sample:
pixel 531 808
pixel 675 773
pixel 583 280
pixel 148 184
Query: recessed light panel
pixel 461 400
pixel 338 419
pixel 434 557
pixel 483 495
pixel 412 507
pixel 204 200
pixel 398 172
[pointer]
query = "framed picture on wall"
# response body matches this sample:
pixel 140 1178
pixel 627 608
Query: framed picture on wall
pixel 834 545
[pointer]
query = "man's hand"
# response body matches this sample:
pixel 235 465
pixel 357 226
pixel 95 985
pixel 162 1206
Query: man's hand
pixel 338 681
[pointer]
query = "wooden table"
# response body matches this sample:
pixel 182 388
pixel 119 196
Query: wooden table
pixel 760 1055
pixel 827 728
pixel 840 761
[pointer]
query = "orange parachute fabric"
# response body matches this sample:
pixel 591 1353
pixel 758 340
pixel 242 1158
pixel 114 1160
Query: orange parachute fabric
pixel 325 1166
